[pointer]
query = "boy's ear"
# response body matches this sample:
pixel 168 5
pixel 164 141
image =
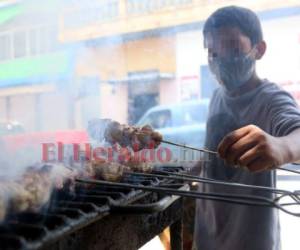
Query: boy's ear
pixel 261 48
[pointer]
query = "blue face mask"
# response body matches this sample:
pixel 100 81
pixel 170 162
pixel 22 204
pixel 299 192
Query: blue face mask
pixel 233 72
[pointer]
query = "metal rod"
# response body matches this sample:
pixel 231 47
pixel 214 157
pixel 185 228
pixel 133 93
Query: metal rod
pixel 216 153
pixel 171 191
pixel 191 178
pixel 105 122
pixel 249 200
pixel 207 151
pixel 190 147
pixel 288 170
pixel 292 194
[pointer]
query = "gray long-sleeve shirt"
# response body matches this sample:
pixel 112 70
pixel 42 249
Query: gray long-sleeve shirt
pixel 223 226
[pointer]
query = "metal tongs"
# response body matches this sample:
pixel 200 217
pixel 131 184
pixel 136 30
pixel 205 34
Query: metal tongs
pixel 240 199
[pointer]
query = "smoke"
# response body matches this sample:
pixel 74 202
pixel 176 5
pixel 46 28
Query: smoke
pixel 51 96
pixel 71 66
pixel 31 190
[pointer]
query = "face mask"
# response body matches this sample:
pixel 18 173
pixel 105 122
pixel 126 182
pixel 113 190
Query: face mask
pixel 233 72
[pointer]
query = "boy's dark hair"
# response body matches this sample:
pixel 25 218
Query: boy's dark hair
pixel 235 17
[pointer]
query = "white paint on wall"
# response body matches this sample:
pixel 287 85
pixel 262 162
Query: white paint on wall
pixel 281 62
pixel 190 55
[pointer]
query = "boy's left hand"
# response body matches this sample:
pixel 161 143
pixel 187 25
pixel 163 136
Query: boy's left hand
pixel 253 148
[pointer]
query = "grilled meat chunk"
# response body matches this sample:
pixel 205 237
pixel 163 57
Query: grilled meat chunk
pixel 135 137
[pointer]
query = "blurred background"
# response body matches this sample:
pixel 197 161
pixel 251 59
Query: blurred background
pixel 64 62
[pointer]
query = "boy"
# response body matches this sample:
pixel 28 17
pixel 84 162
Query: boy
pixel 252 123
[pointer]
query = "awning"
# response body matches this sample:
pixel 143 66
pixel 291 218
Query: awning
pixel 9 12
pixel 143 77
pixel 38 69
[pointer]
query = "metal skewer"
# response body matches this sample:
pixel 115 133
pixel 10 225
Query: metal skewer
pixel 190 147
pixel 213 152
pixel 101 124
pixel 250 200
pixel 289 170
pixel 191 178
pixel 216 153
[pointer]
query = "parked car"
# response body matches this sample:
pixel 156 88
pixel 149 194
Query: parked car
pixel 10 128
pixel 183 123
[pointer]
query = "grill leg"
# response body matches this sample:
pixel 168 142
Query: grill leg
pixel 176 235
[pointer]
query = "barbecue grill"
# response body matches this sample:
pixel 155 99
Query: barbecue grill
pixel 101 214
pixel 100 217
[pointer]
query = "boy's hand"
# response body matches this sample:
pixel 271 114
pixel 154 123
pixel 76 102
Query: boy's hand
pixel 253 148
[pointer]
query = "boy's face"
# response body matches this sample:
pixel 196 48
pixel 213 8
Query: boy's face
pixel 231 56
pixel 226 42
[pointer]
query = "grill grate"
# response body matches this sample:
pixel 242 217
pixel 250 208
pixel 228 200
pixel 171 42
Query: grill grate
pixel 68 213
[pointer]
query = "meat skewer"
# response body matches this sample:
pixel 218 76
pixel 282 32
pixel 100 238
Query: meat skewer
pixel 134 163
pixel 146 134
pixel 135 137
pixel 32 189
pixel 113 132
pixel 114 171
pixel 110 171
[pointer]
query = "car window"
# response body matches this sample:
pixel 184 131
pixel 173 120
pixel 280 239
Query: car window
pixel 159 119
pixel 9 129
pixel 194 114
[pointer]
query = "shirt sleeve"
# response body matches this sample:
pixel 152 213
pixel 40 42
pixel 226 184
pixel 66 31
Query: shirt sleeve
pixel 284 114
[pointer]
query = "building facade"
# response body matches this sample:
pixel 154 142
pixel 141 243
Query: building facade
pixel 65 62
